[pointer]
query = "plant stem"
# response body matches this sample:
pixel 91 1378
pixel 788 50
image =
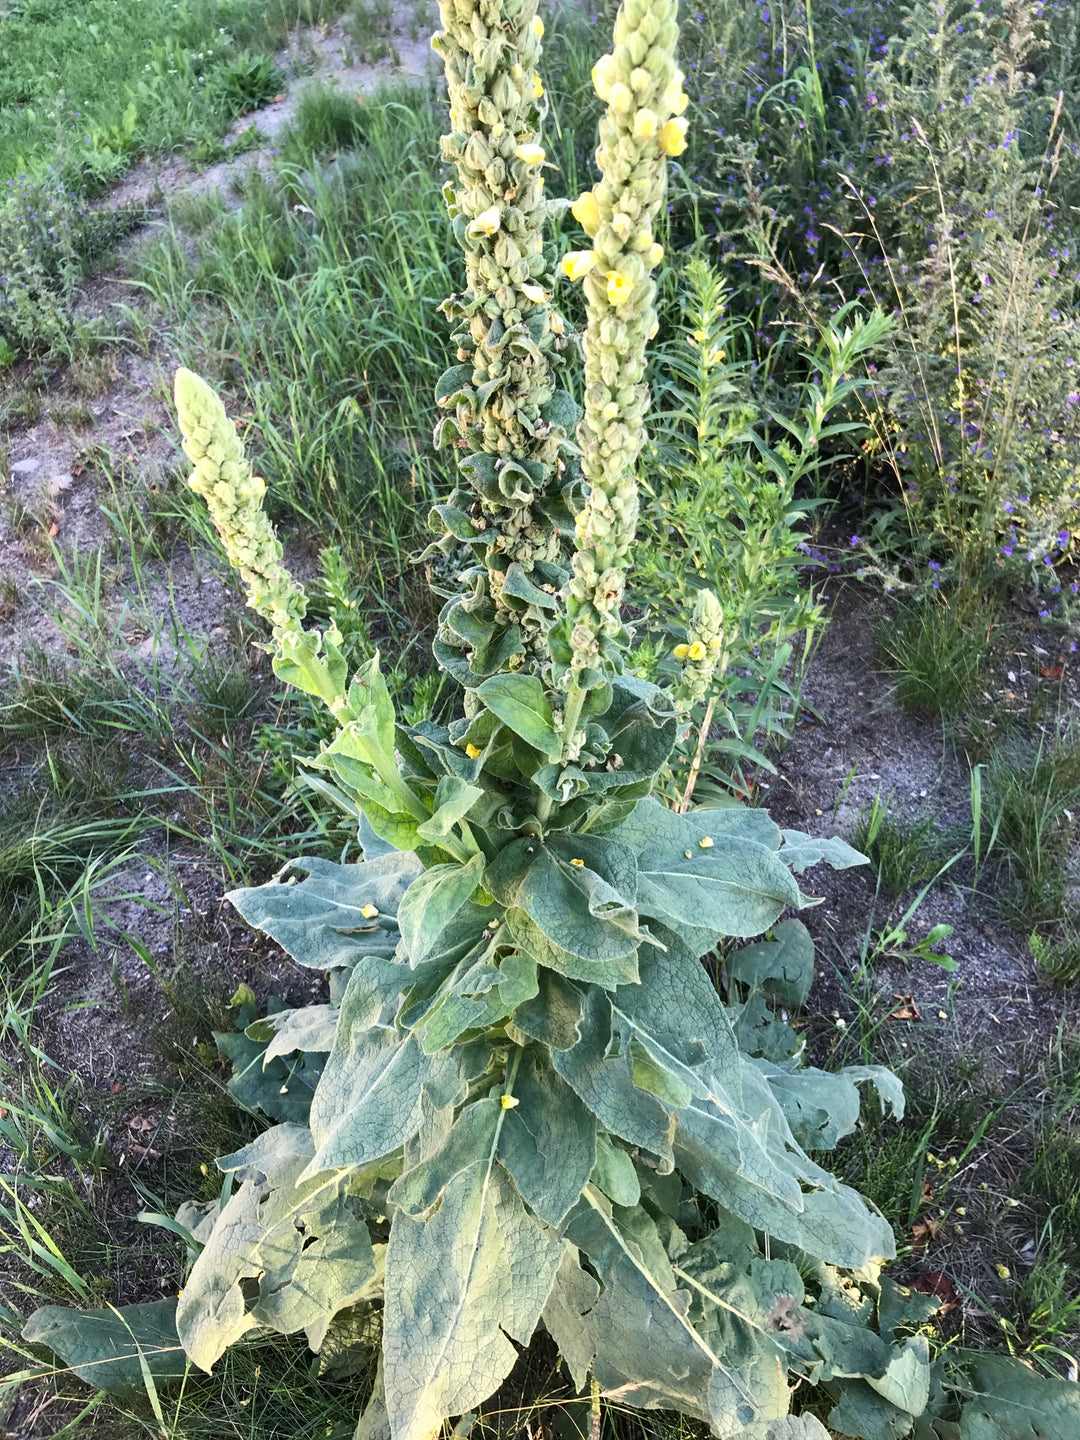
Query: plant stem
pixel 699 756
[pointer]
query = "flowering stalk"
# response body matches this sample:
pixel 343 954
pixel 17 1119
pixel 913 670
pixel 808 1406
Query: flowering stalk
pixel 505 412
pixel 642 126
pixel 234 496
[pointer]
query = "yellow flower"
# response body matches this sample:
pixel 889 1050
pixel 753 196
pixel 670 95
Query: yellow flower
pixel 645 124
pixel 509 1101
pixel 696 651
pixel 473 751
pixel 621 97
pixel 674 99
pixel 618 288
pixel 487 222
pixel 604 74
pixel 577 263
pixel 369 912
pixel 577 862
pixel 681 652
pixel 537 27
pixel 1003 1271
pixel 672 136
pixel 653 255
pixel 538 87
pixel 536 293
pixel 706 842
pixel 586 212
pixel 531 154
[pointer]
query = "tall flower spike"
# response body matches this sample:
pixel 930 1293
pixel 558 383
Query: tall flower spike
pixel 504 410
pixel 644 95
pixel 703 654
pixel 234 496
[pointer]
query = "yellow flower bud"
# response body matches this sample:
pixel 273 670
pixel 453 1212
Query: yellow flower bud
pixel 586 212
pixel 576 264
pixel 509 1101
pixel 706 842
pixel 487 222
pixel 473 751
pixel 681 652
pixel 531 154
pixel 369 912
pixel 536 293
pixel 696 651
pixel 577 862
pixel 538 87
pixel 604 75
pixel 537 27
pixel 621 97
pixel 672 136
pixel 618 288
pixel 654 255
pixel 645 124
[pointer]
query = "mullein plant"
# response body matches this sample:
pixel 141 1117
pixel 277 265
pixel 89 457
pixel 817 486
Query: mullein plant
pixel 524 1103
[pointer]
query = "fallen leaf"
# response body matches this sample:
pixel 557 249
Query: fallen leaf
pixel 1051 672
pixel 924 1230
pixel 907 1009
pixel 939 1285
pixel 54 529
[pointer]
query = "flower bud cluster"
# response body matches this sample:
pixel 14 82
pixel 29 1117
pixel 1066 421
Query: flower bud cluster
pixel 234 496
pixel 642 126
pixel 703 654
pixel 504 411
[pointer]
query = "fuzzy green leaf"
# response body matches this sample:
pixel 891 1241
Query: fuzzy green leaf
pixel 801 851
pixel 454 798
pixel 320 920
pixel 103 1347
pixel 301 1241
pixel 548 1141
pixel 520 703
pixel 431 903
pixel 1004 1400
pixel 782 966
pixel 457 1284
pixel 369 1098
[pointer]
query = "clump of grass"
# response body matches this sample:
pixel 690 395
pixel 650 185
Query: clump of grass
pixel 935 650
pixel 326 120
pixel 1038 792
pixel 903 851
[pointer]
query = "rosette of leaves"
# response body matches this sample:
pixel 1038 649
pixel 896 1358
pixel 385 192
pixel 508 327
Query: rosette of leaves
pixel 524 1103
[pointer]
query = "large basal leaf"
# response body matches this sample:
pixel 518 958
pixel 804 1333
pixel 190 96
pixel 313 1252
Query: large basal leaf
pixel 282 1089
pixel 554 1015
pixel 457 1285
pixel 821 1106
pixel 309 1029
pixel 648 1350
pixel 1004 1400
pixel 862 1414
pixel 652 826
pixel 368 1101
pixel 107 1348
pixel 320 921
pixel 284 1253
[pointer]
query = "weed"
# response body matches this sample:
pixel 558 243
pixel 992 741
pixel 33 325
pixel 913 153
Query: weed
pixel 370 27
pixel 1037 788
pixel 904 852
pixel 246 82
pixel 936 649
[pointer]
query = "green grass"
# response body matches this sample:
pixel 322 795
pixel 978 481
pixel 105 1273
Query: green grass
pixel 88 85
pixel 935 651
